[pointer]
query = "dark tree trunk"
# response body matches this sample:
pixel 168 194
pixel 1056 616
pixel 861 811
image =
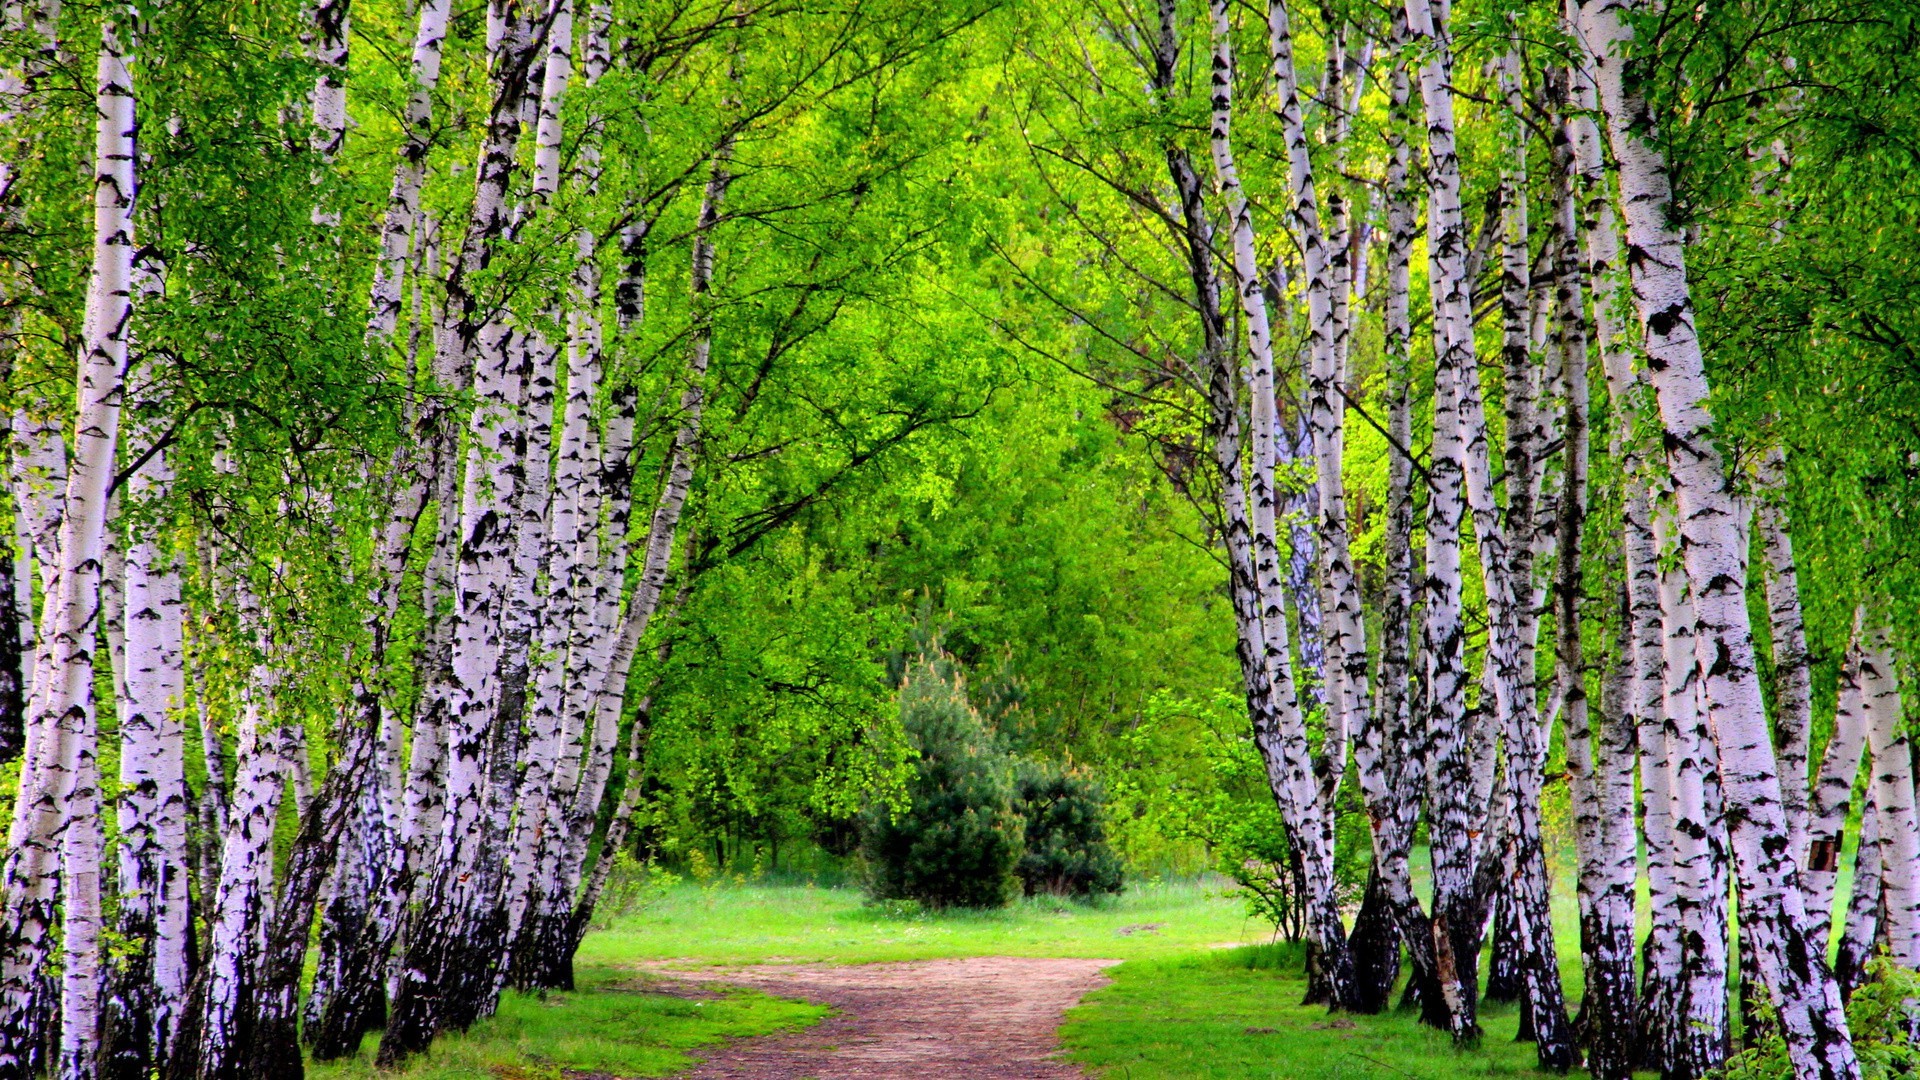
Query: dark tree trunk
pixel 1374 945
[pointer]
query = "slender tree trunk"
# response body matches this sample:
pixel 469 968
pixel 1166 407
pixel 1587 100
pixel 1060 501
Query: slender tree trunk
pixel 217 1037
pixel 1700 894
pixel 1329 966
pixel 1893 797
pixel 452 944
pixel 1457 916
pixel 397 227
pixel 272 1051
pixel 1792 669
pixel 1392 790
pixel 147 987
pixel 1864 906
pixel 1773 918
pixel 1833 791
pixel 57 818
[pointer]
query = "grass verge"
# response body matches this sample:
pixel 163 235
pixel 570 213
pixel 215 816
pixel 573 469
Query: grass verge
pixel 616 1024
pixel 1236 1013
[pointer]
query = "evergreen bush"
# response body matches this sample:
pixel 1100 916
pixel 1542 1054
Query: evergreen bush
pixel 1066 851
pixel 956 842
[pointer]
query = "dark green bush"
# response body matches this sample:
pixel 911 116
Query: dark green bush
pixel 956 842
pixel 1067 852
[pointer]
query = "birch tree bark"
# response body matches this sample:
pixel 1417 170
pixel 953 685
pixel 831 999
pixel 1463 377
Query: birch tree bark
pixel 1773 918
pixel 1833 789
pixel 219 1024
pixel 1607 842
pixel 1792 668
pixel 1893 800
pixel 56 840
pixel 147 989
pixel 447 974
pixel 1864 906
pixel 1391 789
pixel 1329 965
pixel 1701 1034
pixel 1456 908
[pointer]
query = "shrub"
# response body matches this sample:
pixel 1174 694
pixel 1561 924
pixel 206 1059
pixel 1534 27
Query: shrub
pixel 1067 852
pixel 1882 1016
pixel 631 887
pixel 957 840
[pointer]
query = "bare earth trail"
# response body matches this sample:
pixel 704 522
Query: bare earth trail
pixel 979 1018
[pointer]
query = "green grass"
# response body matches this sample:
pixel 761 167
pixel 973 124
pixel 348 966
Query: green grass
pixel 617 1023
pixel 751 924
pixel 1237 1013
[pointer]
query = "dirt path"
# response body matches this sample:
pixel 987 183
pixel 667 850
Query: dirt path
pixel 983 1018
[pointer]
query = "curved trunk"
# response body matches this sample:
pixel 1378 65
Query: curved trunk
pixel 1833 790
pixel 1289 764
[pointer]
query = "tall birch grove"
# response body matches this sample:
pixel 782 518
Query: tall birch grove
pixel 1444 464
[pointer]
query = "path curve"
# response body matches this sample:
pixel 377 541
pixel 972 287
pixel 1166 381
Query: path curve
pixel 980 1018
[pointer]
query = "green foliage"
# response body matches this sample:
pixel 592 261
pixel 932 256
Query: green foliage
pixel 1883 1017
pixel 1067 852
pixel 631 886
pixel 958 838
pixel 1190 772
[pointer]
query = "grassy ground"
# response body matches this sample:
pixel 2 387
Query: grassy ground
pixel 620 1024
pixel 1201 991
pixel 1237 1014
pixel 616 1024
pixel 751 924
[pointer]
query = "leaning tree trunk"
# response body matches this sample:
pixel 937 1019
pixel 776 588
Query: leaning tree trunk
pixel 1607 852
pixel 450 951
pixel 1792 667
pixel 1864 906
pixel 1329 966
pixel 57 808
pixel 1773 917
pixel 217 1037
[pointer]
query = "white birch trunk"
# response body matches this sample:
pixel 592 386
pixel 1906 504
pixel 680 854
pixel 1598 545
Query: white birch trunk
pixel 57 817
pixel 243 905
pixel 1893 797
pixel 155 867
pixel 1699 864
pixel 1308 816
pixel 1792 668
pixel 1773 918
pixel 409 176
pixel 1833 788
pixel 1456 914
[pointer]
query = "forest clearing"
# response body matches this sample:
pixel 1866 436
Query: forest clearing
pixel 589 539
